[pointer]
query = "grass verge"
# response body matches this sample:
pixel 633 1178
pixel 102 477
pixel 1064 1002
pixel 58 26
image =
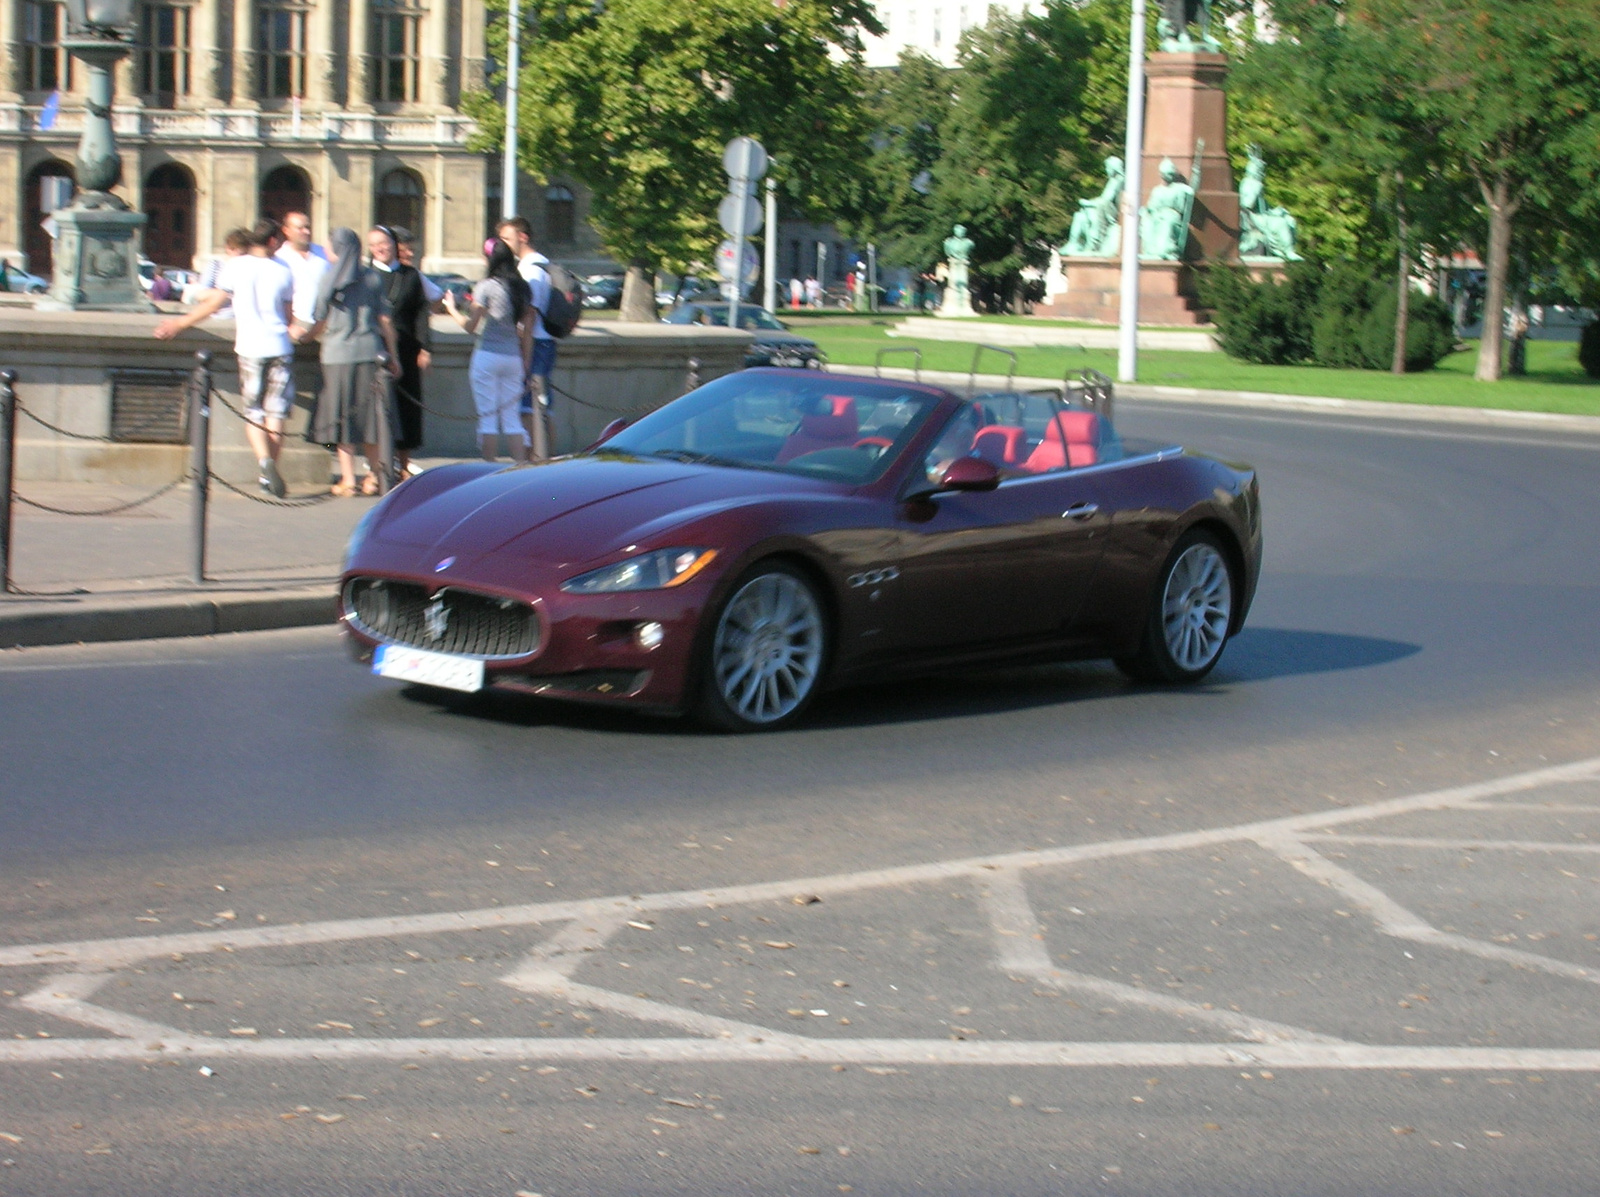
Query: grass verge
pixel 1554 382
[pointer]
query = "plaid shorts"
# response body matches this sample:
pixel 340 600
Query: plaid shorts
pixel 266 384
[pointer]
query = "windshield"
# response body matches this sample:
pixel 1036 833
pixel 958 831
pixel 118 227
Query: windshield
pixel 749 317
pixel 841 430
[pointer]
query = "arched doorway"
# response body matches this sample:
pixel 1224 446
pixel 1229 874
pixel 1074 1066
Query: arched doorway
pixel 560 214
pixel 286 189
pixel 49 186
pixel 169 205
pixel 400 202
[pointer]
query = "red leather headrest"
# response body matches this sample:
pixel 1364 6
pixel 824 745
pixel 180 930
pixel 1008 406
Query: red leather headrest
pixel 1075 427
pixel 1000 443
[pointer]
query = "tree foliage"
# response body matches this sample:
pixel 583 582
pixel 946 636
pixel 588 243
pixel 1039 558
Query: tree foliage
pixel 638 97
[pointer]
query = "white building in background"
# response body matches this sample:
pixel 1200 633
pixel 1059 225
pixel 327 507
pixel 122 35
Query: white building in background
pixel 933 27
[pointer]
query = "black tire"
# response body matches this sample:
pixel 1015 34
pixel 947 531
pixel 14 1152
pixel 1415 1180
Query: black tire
pixel 764 651
pixel 1191 614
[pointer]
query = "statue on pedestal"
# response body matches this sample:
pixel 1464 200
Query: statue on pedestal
pixel 1164 220
pixel 1096 230
pixel 1264 232
pixel 1172 29
pixel 957 253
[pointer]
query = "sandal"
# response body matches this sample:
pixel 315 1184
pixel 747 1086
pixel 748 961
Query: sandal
pixel 342 490
pixel 369 484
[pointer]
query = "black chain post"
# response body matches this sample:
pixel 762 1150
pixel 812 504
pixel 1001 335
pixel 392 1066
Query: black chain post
pixel 8 461
pixel 381 392
pixel 692 379
pixel 200 458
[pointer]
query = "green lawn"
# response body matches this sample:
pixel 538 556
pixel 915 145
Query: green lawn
pixel 1554 383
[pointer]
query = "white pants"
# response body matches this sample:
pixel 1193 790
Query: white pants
pixel 497 385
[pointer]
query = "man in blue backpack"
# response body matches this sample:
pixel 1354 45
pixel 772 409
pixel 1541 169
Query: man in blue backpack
pixel 532 265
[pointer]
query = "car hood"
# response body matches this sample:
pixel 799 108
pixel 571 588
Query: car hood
pixel 572 511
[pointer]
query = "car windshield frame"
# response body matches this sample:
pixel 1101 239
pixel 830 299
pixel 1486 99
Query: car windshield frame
pixel 848 431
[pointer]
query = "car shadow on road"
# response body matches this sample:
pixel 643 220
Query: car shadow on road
pixel 1255 655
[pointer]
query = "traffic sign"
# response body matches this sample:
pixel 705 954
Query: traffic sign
pixel 752 262
pixel 728 214
pixel 744 159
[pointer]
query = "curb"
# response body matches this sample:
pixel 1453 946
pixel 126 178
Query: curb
pixel 94 619
pixel 1497 417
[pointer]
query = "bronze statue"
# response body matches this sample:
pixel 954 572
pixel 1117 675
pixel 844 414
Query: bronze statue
pixel 1173 27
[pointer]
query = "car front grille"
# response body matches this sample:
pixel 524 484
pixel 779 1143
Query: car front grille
pixel 461 622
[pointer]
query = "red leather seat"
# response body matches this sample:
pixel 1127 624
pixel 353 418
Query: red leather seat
pixel 1002 444
pixel 1072 438
pixel 834 426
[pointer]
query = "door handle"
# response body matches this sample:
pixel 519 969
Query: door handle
pixel 1080 511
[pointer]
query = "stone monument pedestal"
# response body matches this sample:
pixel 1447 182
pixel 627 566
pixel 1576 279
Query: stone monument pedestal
pixel 97 262
pixel 1187 105
pixel 1167 293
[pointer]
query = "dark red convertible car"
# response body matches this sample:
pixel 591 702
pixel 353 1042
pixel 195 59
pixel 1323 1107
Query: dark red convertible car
pixel 776 532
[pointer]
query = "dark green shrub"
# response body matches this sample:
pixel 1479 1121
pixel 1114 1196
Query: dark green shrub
pixel 1266 321
pixel 1430 335
pixel 1589 349
pixel 1348 293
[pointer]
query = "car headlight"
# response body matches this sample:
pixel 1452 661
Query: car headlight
pixel 648 571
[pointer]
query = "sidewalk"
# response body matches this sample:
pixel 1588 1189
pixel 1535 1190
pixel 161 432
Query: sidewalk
pixel 127 576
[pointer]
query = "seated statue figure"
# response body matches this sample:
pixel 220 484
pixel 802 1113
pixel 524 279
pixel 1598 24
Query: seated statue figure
pixel 1164 220
pixel 1264 231
pixel 1096 232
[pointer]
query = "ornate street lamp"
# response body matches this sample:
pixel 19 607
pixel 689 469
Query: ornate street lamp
pixel 97 237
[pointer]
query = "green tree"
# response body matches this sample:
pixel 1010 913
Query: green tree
pixel 1513 89
pixel 638 97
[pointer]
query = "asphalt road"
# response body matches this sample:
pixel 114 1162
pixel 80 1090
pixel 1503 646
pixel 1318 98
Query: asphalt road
pixel 1323 926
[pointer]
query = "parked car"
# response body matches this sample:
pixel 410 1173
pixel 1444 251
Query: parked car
pixel 776 532
pixel 603 291
pixel 458 285
pixel 21 282
pixel 774 344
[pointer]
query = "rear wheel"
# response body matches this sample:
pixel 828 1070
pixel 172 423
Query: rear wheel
pixel 766 651
pixel 1190 614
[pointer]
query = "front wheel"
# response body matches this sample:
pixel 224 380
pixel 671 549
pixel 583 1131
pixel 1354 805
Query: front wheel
pixel 765 654
pixel 1191 612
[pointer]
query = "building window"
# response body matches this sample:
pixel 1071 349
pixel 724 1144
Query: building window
pixel 397 35
pixel 281 43
pixel 286 189
pixel 46 65
pixel 400 198
pixel 560 214
pixel 164 52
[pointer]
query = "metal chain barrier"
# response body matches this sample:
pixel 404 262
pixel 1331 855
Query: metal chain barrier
pixel 270 500
pixel 116 510
pixel 128 434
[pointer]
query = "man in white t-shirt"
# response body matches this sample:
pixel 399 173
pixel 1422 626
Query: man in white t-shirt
pixel 516 232
pixel 261 289
pixel 306 262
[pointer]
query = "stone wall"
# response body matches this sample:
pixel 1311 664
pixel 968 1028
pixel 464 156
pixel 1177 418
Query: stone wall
pixel 64 362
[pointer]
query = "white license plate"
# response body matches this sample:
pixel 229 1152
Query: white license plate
pixel 428 669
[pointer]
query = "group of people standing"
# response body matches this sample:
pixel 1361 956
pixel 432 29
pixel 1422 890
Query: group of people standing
pixel 282 290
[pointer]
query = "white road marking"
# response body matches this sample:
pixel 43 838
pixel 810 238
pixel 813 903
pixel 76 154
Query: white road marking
pixel 1394 919
pixel 1422 841
pixel 1021 950
pixel 591 922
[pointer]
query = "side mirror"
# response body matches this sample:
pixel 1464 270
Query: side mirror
pixel 609 431
pixel 970 473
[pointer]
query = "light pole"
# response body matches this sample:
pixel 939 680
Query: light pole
pixel 1133 155
pixel 97 239
pixel 508 164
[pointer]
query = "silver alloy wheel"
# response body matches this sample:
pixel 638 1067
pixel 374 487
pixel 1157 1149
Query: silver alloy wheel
pixel 1196 607
pixel 767 651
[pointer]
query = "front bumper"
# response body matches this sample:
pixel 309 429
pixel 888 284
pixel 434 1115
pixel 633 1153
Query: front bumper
pixel 586 648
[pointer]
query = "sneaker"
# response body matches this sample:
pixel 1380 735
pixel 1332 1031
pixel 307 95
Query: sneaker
pixel 271 481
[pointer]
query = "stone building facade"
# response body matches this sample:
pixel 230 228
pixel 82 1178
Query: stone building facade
pixel 228 109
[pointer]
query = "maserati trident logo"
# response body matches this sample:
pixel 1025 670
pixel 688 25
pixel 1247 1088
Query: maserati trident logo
pixel 437 618
pixel 444 565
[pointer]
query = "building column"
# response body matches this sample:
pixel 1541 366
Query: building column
pixel 322 65
pixel 434 53
pixel 205 60
pixel 359 67
pixel 473 42
pixel 241 54
pixel 10 52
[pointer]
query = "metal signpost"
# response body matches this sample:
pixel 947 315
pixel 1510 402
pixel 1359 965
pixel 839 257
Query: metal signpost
pixel 508 165
pixel 1133 155
pixel 769 264
pixel 745 161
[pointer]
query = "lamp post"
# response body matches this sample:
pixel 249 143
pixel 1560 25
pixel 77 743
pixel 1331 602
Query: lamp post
pixel 97 239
